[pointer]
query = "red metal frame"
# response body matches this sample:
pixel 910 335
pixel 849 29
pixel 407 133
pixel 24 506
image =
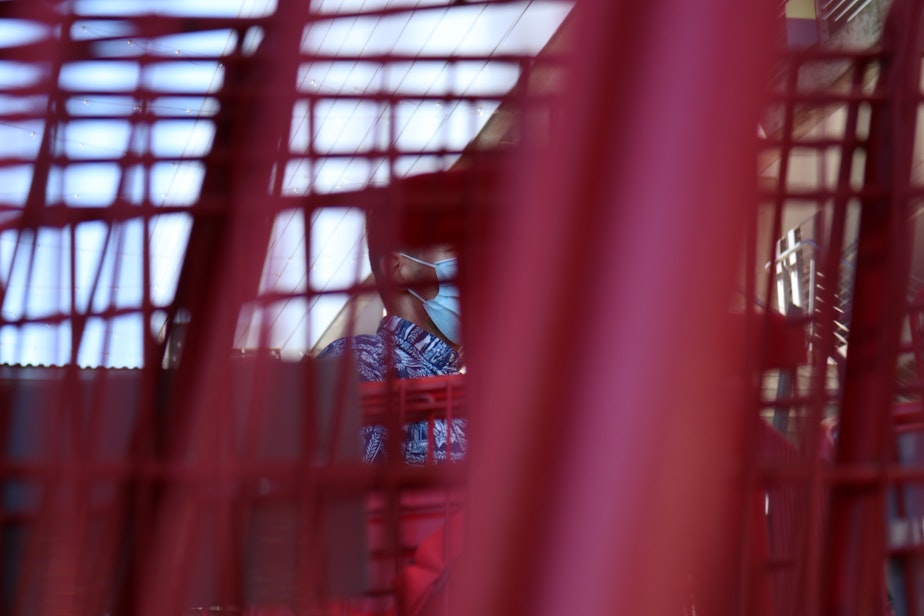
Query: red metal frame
pixel 623 460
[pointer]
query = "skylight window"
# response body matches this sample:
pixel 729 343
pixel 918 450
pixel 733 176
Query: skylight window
pixel 118 125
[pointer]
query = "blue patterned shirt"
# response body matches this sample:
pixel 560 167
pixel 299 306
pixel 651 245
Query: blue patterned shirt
pixel 400 349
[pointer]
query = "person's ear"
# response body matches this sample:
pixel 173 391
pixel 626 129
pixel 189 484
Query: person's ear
pixel 394 267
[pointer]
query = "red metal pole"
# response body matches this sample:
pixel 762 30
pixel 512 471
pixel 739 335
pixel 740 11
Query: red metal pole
pixel 610 423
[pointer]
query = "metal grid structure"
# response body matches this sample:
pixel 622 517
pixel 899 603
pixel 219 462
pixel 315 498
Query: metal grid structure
pixel 629 459
pixel 163 451
pixel 822 517
pixel 841 492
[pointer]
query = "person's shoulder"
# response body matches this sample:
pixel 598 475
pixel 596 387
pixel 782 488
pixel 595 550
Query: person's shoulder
pixel 367 350
pixel 355 344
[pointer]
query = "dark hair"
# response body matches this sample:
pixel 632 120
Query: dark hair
pixel 381 239
pixel 427 210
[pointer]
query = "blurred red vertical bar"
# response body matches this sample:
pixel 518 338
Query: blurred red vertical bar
pixel 854 581
pixel 823 348
pixel 608 435
pixel 50 580
pixel 222 269
pixel 917 335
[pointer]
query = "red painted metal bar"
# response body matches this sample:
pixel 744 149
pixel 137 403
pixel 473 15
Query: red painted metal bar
pixel 610 427
pixel 855 581
pixel 227 255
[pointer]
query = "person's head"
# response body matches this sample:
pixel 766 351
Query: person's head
pixel 416 283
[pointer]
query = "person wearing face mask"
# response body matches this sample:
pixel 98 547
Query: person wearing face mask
pixel 442 309
pixel 420 336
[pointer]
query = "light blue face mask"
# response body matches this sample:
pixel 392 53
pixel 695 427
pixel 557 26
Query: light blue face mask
pixel 444 309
